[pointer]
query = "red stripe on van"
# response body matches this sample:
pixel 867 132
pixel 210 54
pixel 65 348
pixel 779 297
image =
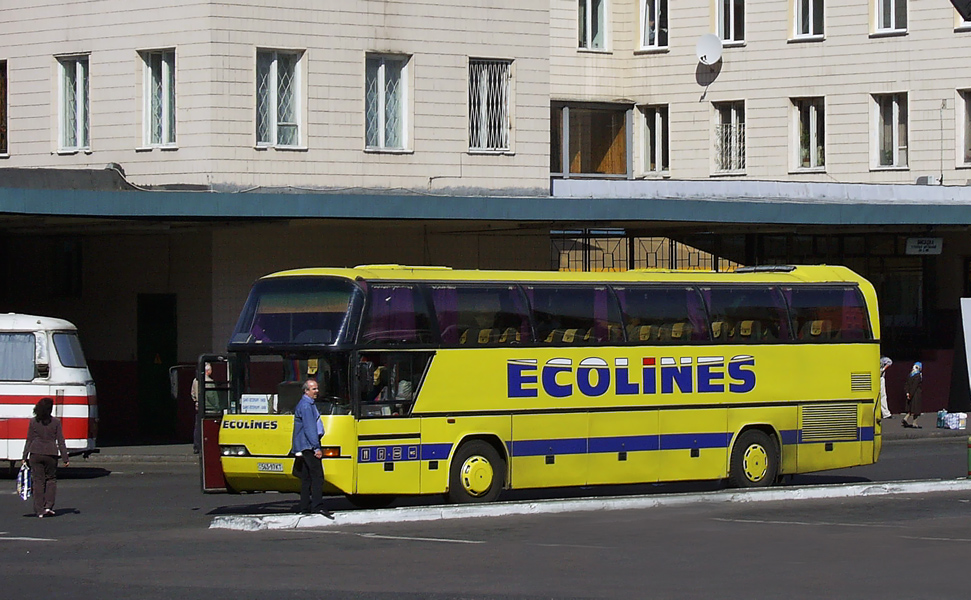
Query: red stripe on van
pixel 75 428
pixel 32 399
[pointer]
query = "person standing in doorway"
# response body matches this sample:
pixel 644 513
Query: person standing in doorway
pixel 307 431
pixel 45 441
pixel 194 392
pixel 885 363
pixel 913 390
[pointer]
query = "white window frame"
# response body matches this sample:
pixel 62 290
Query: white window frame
pixel 272 134
pixel 899 114
pixel 486 125
pixel 730 35
pixel 659 10
pixel 736 157
pixel 963 153
pixel 806 23
pixel 167 100
pixel 657 140
pixel 896 11
pixel 81 127
pixel 589 36
pixel 383 64
pixel 816 110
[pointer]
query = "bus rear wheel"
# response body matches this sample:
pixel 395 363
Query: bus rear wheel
pixel 755 460
pixel 477 473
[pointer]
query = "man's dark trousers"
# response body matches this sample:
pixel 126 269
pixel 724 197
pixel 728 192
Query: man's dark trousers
pixel 311 483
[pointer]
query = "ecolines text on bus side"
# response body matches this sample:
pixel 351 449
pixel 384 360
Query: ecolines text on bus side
pixel 594 376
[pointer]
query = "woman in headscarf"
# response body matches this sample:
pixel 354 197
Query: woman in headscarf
pixel 885 363
pixel 912 389
pixel 45 441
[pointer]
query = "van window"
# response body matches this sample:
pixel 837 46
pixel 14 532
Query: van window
pixel 17 356
pixel 481 315
pixel 574 315
pixel 747 314
pixel 825 314
pixel 69 350
pixel 662 315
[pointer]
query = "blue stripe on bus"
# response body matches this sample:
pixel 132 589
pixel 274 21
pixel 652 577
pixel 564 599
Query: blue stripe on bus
pixel 595 445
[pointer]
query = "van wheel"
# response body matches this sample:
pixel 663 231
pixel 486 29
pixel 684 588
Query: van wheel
pixel 755 460
pixel 370 500
pixel 477 473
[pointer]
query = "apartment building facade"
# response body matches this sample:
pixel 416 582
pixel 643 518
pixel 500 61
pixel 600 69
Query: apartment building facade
pixel 156 158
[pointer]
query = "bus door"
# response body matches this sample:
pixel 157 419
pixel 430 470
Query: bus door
pixel 213 397
pixel 389 441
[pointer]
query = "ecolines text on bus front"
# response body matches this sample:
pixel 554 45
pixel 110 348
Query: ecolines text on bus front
pixel 594 376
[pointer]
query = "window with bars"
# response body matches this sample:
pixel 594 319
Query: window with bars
pixel 966 126
pixel 891 15
pixel 592 24
pixel 278 98
pixel 655 138
pixel 891 130
pixel 654 24
pixel 811 132
pixel 73 116
pixel 731 20
pixel 730 136
pixel 489 119
pixel 3 107
pixel 809 18
pixel 159 97
pixel 385 98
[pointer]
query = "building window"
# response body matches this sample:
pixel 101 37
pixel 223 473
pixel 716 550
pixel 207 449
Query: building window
pixel 590 141
pixel 809 18
pixel 731 20
pixel 592 24
pixel 489 120
pixel 892 130
pixel 966 135
pixel 730 136
pixel 655 138
pixel 811 132
pixel 277 98
pixel 159 97
pixel 3 107
pixel 384 102
pixel 73 106
pixel 891 15
pixel 654 23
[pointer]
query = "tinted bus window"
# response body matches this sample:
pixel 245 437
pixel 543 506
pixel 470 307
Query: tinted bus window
pixel 69 350
pixel 478 315
pixel 397 314
pixel 750 314
pixel 297 310
pixel 827 314
pixel 16 356
pixel 575 315
pixel 665 315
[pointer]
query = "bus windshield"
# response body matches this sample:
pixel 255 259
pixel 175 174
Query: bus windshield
pixel 298 311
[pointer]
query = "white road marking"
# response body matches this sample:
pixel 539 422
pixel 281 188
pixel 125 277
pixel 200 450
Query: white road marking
pixel 934 539
pixel 25 539
pixel 765 522
pixel 418 539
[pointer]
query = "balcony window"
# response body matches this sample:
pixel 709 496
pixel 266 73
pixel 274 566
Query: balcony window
pixel 596 141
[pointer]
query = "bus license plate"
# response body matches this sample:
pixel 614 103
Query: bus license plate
pixel 271 467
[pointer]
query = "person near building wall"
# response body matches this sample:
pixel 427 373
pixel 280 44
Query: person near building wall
pixel 885 363
pixel 912 388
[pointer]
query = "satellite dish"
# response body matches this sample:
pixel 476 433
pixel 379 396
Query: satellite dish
pixel 709 49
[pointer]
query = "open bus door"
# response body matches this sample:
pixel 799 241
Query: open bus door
pixel 213 402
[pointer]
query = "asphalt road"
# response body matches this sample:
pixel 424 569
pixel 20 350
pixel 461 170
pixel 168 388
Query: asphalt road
pixel 141 531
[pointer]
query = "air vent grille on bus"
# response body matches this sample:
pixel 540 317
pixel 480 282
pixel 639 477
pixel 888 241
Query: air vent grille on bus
pixel 861 382
pixel 829 422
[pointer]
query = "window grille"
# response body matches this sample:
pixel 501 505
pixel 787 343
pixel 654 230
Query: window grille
pixel 277 103
pixel 3 107
pixel 384 102
pixel 489 105
pixel 161 97
pixel 74 103
pixel 730 137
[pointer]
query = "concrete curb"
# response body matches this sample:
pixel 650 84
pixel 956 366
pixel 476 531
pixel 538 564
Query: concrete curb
pixel 503 509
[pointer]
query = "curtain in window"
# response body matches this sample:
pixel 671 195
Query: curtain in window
pixel 16 356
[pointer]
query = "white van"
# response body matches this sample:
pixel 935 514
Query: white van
pixel 41 357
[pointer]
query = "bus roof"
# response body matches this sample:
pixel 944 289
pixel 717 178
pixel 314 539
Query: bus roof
pixel 781 274
pixel 18 322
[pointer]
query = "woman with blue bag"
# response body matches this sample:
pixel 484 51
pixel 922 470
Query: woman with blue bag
pixel 45 441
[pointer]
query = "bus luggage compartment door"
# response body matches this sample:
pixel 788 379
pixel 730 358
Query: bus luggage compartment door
pixel 388 456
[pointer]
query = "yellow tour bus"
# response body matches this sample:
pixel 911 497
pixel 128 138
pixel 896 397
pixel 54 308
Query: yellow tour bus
pixel 465 383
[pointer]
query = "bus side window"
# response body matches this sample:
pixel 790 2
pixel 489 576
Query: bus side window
pixel 574 315
pixel 480 315
pixel 823 314
pixel 661 314
pixel 397 316
pixel 747 314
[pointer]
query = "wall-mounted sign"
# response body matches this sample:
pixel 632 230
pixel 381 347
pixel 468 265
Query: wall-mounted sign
pixel 925 245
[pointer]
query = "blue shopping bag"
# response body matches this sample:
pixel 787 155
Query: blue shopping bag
pixel 23 481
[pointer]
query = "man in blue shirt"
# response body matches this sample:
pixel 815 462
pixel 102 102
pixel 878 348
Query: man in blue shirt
pixel 307 431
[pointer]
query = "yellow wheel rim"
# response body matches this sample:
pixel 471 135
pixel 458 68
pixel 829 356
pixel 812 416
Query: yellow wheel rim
pixel 755 462
pixel 477 475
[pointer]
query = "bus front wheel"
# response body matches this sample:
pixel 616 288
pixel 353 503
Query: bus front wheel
pixel 477 473
pixel 755 460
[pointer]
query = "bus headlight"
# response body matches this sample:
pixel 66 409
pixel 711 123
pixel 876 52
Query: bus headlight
pixel 234 451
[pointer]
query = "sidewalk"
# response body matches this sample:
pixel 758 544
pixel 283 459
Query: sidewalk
pixel 182 453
